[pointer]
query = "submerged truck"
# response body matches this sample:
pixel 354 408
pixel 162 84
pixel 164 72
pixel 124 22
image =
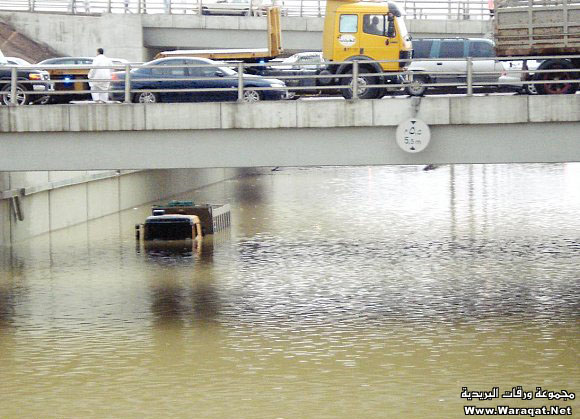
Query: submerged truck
pixel 354 31
pixel 541 28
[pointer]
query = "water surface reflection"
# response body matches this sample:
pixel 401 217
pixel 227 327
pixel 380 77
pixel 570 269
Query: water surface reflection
pixel 338 292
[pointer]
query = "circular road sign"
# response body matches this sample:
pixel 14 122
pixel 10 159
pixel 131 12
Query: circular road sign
pixel 413 135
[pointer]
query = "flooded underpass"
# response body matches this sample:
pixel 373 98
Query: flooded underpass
pixel 358 292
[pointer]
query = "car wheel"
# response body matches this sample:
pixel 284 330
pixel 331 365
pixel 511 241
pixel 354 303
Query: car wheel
pixel 246 13
pixel 251 96
pixel 22 96
pixel 417 87
pixel 146 97
pixel 364 80
pixel 563 88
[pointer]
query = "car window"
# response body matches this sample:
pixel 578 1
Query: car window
pixel 481 49
pixel 162 68
pixel 60 61
pixel 205 71
pixel 374 24
pixel 177 71
pixel 451 49
pixel 228 71
pixel 348 23
pixel 422 48
pixel 84 61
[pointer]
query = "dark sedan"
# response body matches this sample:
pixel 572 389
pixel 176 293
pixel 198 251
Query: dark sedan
pixel 170 80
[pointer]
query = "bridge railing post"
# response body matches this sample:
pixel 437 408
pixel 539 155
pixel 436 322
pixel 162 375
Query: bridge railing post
pixel 13 82
pixel 127 83
pixel 354 80
pixel 240 82
pixel 469 76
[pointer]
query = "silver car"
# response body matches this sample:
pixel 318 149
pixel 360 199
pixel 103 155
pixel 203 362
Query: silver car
pixel 444 60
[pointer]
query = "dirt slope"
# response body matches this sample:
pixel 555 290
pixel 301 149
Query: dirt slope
pixel 14 44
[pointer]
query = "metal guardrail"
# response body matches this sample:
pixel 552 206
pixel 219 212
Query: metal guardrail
pixel 421 9
pixel 122 82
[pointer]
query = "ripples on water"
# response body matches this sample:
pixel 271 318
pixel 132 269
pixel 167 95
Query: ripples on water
pixel 338 292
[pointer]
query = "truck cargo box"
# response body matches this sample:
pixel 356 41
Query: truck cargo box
pixel 537 27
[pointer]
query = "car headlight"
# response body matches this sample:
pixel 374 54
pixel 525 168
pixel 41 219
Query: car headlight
pixel 35 76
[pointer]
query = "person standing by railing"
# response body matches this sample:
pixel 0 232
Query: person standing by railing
pixel 102 77
pixel 491 7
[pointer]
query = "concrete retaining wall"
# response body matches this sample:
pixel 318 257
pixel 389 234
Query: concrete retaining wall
pixel 121 36
pixel 52 209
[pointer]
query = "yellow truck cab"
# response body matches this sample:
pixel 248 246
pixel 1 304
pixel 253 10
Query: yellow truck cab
pixel 366 31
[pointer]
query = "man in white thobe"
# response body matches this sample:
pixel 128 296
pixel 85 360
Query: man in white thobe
pixel 100 77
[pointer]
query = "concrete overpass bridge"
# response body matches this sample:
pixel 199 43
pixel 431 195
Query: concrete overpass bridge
pixel 138 37
pixel 299 33
pixel 464 129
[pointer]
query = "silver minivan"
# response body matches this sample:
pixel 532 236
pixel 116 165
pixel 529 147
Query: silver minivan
pixel 444 60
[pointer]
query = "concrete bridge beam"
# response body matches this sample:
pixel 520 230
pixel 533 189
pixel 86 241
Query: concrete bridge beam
pixel 479 129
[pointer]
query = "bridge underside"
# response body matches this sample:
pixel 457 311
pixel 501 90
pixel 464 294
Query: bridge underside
pixel 500 129
pixel 517 143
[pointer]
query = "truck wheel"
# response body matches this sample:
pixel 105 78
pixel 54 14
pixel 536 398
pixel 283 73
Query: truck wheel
pixel 417 87
pixel 563 88
pixel 530 89
pixel 325 80
pixel 364 80
pixel 22 96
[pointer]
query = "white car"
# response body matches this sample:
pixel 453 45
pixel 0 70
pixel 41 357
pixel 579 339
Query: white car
pixel 17 61
pixel 302 60
pixel 445 61
pixel 512 76
pixel 234 8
